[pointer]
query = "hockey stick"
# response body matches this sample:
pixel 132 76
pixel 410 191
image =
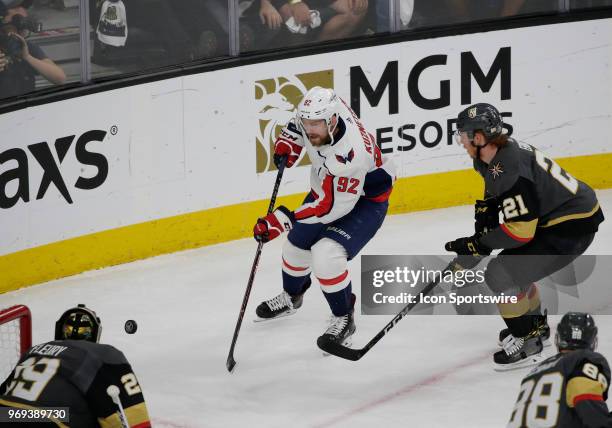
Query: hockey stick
pixel 231 362
pixel 355 354
pixel 113 393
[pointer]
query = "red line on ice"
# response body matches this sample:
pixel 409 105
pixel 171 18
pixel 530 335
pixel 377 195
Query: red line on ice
pixel 167 423
pixel 409 389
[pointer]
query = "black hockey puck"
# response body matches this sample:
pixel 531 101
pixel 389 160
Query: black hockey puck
pixel 131 326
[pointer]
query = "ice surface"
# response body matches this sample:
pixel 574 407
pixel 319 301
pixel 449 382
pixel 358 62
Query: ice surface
pixel 430 371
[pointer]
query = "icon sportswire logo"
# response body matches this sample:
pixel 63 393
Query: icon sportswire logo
pixel 276 101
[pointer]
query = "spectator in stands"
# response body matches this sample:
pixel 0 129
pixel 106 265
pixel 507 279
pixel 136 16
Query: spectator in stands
pixel 305 20
pixel 260 25
pixel 338 19
pixel 21 60
pixel 206 24
pixel 164 32
pixel 441 12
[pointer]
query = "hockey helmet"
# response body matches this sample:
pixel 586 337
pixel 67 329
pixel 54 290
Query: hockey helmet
pixel 480 117
pixel 576 330
pixel 319 104
pixel 80 323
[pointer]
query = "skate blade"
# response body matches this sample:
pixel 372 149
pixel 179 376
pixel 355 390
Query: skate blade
pixel 283 315
pixel 531 360
pixel 546 343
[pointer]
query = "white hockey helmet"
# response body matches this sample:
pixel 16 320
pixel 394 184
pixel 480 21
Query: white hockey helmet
pixel 319 104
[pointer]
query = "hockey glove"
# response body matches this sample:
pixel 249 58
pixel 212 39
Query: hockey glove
pixel 272 225
pixel 289 144
pixel 470 246
pixel 486 215
pixel 469 251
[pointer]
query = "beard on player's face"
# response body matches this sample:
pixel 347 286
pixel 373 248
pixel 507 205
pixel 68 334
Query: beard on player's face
pixel 317 131
pixel 318 139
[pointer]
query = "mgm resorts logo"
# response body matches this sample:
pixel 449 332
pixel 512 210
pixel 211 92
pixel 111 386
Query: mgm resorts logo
pixel 276 102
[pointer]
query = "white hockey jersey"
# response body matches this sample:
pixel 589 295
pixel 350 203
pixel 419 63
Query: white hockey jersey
pixel 344 171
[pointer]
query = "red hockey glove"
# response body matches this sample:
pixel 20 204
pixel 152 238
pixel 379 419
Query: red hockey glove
pixel 272 225
pixel 289 144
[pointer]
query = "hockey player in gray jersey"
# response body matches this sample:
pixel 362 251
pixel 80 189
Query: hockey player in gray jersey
pixel 568 390
pixel 548 216
pixel 75 371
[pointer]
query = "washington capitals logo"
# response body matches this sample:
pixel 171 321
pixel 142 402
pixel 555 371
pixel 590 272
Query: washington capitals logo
pixel 496 170
pixel 348 157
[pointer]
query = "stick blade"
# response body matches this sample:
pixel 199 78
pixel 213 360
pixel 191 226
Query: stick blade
pixel 339 350
pixel 230 363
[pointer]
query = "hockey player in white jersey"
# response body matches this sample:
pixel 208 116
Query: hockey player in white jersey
pixel 351 184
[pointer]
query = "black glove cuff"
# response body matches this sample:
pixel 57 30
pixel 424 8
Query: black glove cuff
pixel 482 248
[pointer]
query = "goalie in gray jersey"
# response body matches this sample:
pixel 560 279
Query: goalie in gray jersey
pixel 549 217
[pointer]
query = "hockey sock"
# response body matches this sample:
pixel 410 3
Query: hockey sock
pixel 535 307
pixel 520 326
pixel 340 302
pixel 516 315
pixel 295 285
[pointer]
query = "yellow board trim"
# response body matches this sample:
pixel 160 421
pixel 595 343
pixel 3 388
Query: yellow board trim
pixel 167 235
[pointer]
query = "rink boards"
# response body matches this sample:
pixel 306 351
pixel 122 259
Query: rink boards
pixel 160 167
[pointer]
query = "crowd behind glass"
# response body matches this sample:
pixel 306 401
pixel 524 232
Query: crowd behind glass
pixel 41 40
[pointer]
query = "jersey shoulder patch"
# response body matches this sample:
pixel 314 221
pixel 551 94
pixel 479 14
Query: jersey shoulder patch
pixel 503 171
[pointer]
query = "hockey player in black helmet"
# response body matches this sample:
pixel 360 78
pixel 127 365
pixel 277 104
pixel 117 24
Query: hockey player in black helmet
pixel 568 390
pixel 80 323
pixel 75 371
pixel 549 218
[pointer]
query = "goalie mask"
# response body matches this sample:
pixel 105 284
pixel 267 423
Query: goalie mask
pixel 319 104
pixel 80 323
